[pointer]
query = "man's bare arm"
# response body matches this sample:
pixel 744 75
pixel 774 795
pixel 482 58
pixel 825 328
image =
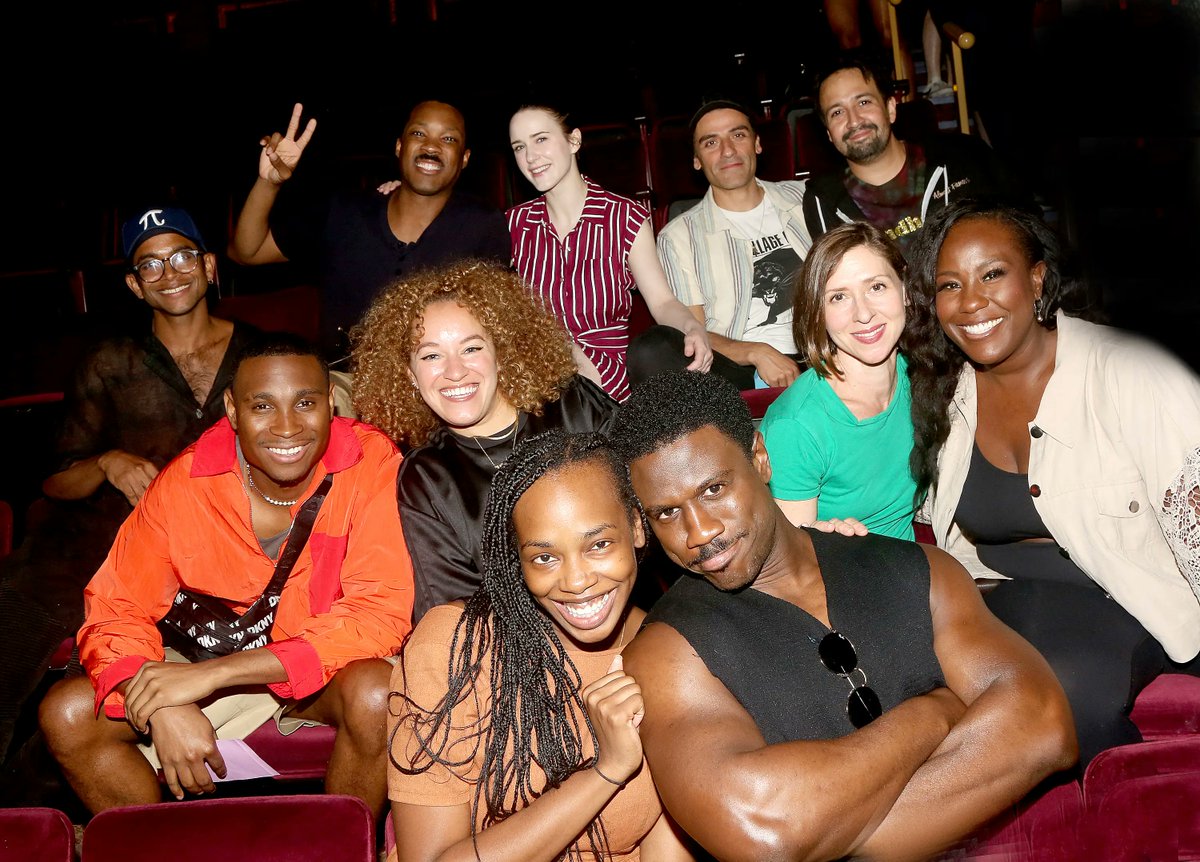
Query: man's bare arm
pixel 158 685
pixel 252 242
pixel 1016 731
pixel 743 799
pixel 128 473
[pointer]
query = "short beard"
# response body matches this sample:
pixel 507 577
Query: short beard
pixel 865 152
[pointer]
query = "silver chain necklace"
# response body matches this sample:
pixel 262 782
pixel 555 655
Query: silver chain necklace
pixel 270 500
pixel 499 439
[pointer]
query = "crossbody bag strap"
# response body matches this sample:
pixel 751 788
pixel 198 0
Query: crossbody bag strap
pixel 201 626
pixel 301 529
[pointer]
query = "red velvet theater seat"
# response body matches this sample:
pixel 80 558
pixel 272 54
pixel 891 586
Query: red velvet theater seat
pixel 758 400
pixel 306 828
pixel 1041 828
pixel 1156 818
pixel 6 528
pixel 299 755
pixel 1168 706
pixel 1112 768
pixel 292 309
pixel 36 835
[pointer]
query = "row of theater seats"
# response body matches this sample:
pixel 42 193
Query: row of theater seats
pixel 1136 802
pixel 299 828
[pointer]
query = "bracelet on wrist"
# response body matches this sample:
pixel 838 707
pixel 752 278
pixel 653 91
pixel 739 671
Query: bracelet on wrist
pixel 596 767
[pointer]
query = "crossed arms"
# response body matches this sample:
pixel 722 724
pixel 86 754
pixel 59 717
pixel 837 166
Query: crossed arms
pixel 965 752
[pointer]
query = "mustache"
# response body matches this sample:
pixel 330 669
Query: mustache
pixel 430 157
pixel 856 129
pixel 713 548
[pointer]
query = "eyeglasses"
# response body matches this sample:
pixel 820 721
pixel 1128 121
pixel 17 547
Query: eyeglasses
pixel 839 657
pixel 183 261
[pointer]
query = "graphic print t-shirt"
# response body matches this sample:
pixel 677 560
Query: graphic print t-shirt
pixel 776 267
pixel 895 206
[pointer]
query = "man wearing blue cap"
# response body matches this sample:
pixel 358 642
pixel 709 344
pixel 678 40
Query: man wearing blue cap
pixel 133 404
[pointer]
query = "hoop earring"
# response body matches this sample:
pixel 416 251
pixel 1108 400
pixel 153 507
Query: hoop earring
pixel 1039 310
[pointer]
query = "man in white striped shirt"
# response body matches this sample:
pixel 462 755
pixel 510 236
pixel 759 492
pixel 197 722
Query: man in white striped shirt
pixel 732 259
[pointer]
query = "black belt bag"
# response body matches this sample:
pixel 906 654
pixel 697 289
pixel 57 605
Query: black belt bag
pixel 201 626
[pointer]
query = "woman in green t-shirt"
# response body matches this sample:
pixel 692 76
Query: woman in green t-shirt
pixel 840 436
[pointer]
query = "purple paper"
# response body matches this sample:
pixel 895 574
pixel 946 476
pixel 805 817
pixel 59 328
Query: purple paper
pixel 241 762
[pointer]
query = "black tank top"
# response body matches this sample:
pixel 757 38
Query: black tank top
pixel 764 649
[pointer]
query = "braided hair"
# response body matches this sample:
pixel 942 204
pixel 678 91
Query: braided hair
pixel 535 687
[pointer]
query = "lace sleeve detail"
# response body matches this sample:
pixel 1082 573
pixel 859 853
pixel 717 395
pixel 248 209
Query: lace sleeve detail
pixel 1181 519
pixel 924 515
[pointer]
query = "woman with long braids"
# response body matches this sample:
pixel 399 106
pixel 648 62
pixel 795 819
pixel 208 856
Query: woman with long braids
pixel 462 364
pixel 1060 455
pixel 513 733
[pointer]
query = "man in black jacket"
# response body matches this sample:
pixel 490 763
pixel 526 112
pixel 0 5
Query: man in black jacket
pixel 888 182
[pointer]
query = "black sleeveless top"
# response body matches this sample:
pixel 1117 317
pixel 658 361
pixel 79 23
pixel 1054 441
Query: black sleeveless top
pixel 996 513
pixel 764 649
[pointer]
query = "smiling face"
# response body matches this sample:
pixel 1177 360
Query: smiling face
pixel 454 368
pixel 858 119
pixel 544 151
pixel 432 149
pixel 725 147
pixel 175 294
pixel 986 288
pixel 281 408
pixel 577 543
pixel 709 505
pixel 864 308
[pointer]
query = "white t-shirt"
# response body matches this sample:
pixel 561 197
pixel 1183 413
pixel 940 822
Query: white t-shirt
pixel 776 268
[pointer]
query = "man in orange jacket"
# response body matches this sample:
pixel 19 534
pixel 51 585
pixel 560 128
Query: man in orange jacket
pixel 218 522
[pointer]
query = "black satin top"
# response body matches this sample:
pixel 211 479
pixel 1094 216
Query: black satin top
pixel 442 491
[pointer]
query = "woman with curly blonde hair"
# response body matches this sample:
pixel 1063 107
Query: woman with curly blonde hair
pixel 461 363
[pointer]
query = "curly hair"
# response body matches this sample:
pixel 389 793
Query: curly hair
pixel 536 701
pixel 934 361
pixel 533 356
pixel 672 404
pixel 808 303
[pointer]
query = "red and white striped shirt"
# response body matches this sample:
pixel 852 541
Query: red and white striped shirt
pixel 584 278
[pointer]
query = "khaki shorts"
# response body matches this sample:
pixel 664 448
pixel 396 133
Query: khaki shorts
pixel 236 716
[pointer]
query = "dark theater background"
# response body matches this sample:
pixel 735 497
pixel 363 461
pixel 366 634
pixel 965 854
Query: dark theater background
pixel 114 105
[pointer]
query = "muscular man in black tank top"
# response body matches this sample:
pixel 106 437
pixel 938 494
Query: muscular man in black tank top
pixel 810 695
